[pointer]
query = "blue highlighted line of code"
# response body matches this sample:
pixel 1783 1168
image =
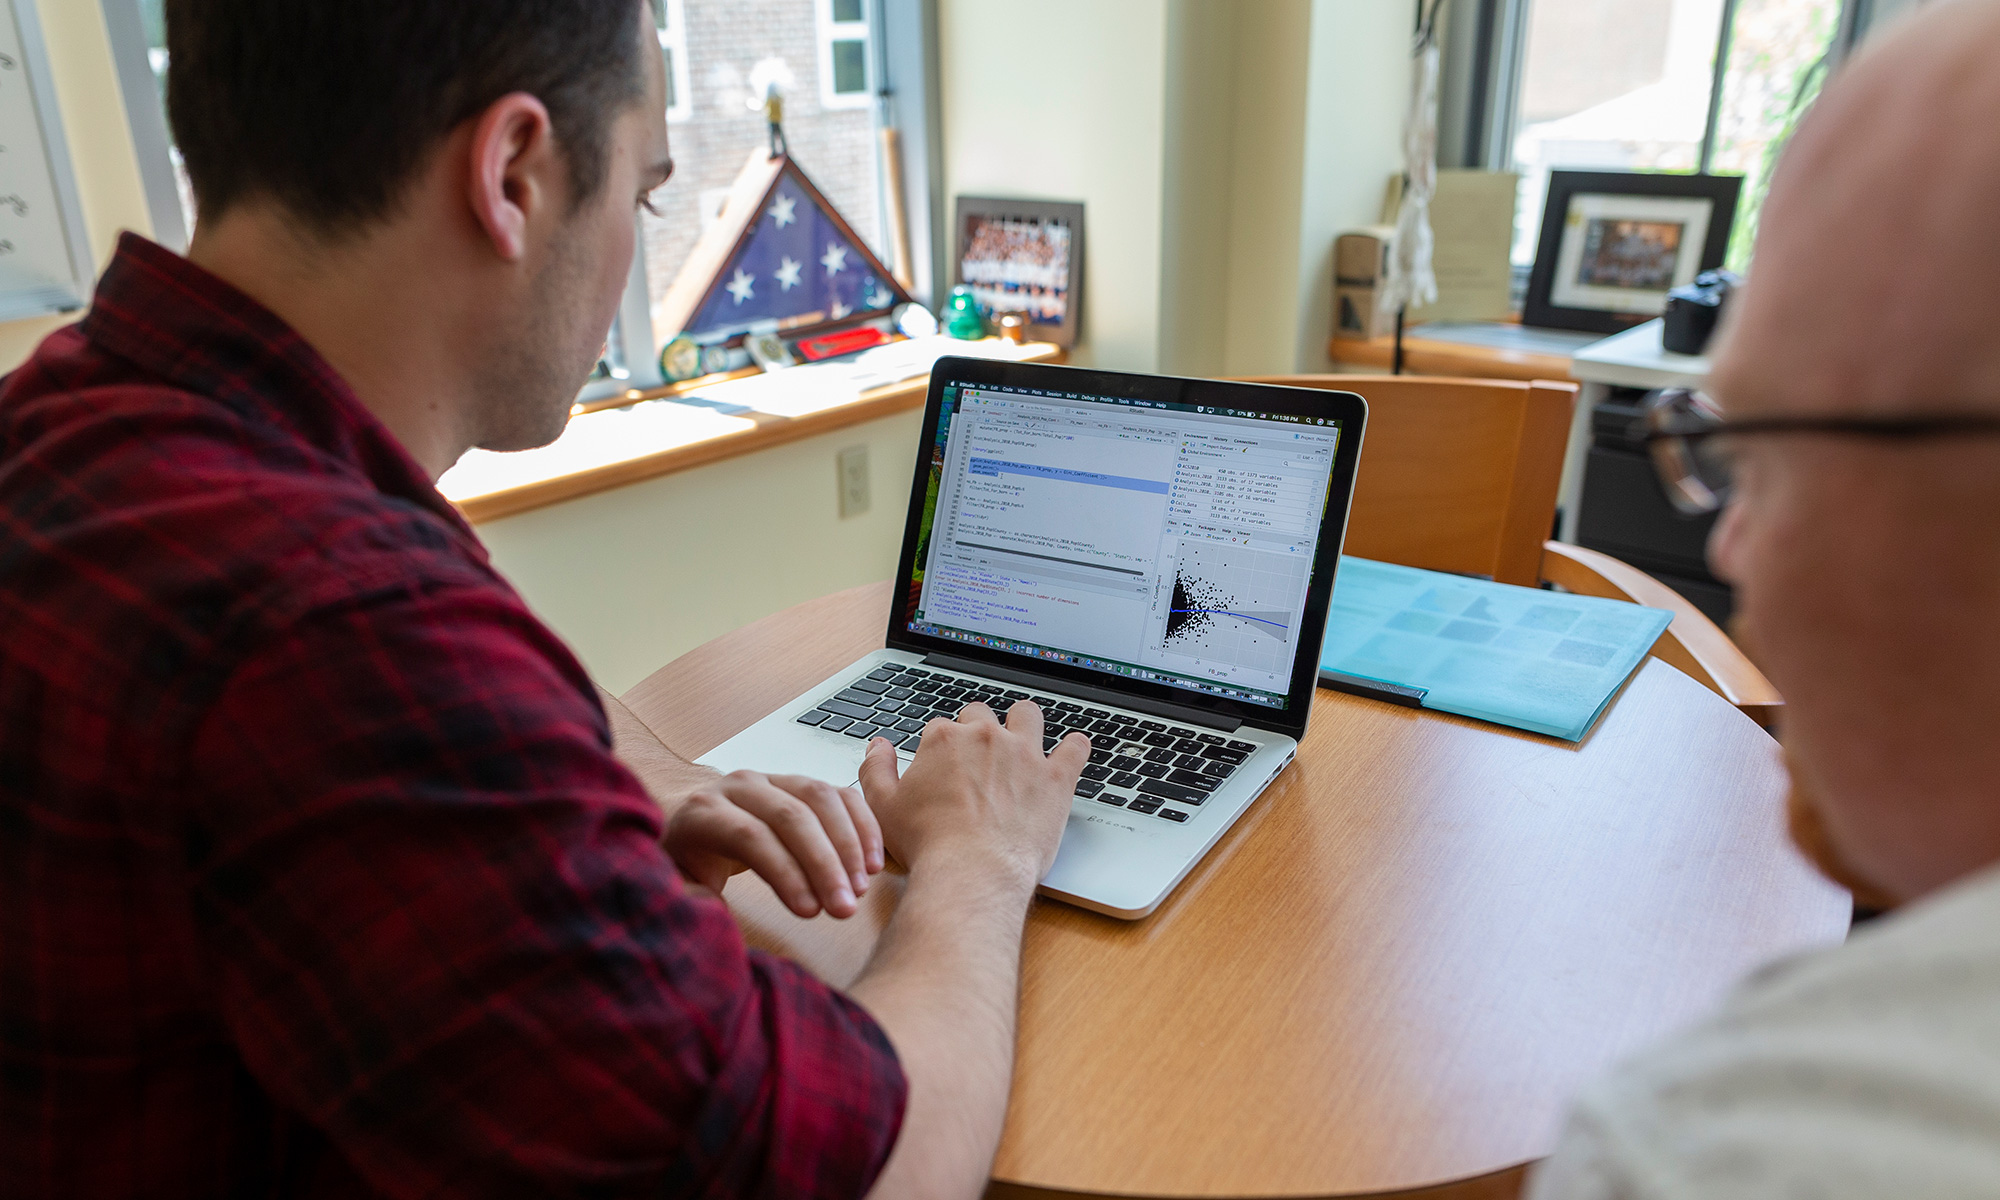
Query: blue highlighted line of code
pixel 994 466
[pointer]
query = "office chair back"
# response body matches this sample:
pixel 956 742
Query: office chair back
pixel 1456 474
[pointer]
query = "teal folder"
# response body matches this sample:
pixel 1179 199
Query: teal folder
pixel 1547 662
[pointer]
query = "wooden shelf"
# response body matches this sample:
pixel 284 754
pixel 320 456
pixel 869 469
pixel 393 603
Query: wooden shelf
pixel 608 447
pixel 1424 357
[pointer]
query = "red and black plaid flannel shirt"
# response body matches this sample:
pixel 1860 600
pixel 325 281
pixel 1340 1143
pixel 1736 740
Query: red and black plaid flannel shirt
pixel 316 873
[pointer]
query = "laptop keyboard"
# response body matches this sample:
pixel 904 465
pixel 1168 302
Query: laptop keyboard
pixel 1156 768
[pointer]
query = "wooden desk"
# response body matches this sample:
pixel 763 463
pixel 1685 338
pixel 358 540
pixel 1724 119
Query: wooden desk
pixel 1392 973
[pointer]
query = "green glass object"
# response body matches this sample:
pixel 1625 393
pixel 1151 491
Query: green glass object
pixel 962 319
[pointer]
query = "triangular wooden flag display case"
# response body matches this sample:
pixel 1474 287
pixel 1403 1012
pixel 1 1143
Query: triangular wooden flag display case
pixel 779 260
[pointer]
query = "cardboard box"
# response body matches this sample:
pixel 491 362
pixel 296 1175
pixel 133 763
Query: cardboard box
pixel 1360 259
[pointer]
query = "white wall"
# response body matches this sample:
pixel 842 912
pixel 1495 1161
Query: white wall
pixel 100 145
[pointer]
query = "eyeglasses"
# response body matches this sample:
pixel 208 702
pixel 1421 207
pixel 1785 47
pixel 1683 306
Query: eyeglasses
pixel 1691 443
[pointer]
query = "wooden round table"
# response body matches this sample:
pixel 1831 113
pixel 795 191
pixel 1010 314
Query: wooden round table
pixel 1396 969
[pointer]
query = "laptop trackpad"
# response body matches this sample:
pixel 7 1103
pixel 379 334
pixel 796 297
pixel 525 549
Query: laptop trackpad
pixel 837 761
pixel 821 757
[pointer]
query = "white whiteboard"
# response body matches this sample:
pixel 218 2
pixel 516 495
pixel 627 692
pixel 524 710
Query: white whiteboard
pixel 45 261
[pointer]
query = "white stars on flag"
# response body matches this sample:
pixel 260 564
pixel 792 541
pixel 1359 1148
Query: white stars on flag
pixel 788 274
pixel 739 287
pixel 781 211
pixel 835 258
pixel 840 310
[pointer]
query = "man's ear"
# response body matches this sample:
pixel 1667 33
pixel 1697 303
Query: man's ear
pixel 515 166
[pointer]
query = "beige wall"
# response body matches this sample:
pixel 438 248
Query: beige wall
pixel 1291 125
pixel 100 145
pixel 632 578
pixel 1218 147
pixel 1060 100
pixel 1267 145
pixel 1198 173
pixel 1357 90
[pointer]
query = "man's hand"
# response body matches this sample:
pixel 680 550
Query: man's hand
pixel 979 789
pixel 815 844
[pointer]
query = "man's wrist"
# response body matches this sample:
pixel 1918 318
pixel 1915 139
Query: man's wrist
pixel 672 783
pixel 666 776
pixel 976 865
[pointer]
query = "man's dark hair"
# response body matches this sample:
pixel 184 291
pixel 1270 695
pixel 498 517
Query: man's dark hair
pixel 329 106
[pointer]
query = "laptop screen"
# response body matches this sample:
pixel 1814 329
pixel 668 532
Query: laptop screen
pixel 1160 542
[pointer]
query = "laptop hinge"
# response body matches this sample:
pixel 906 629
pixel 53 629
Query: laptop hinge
pixel 1084 691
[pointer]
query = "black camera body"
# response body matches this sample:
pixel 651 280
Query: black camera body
pixel 1693 311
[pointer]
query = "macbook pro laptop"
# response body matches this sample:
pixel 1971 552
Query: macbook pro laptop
pixel 1148 559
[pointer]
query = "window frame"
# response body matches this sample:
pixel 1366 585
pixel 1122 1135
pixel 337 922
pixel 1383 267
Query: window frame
pixel 146 117
pixel 831 31
pixel 1485 52
pixel 634 355
pixel 1483 47
pixel 670 26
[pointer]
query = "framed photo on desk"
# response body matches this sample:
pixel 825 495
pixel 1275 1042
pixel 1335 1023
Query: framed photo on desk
pixel 1614 242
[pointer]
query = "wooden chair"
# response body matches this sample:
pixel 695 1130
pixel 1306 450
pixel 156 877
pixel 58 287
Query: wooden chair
pixel 1461 475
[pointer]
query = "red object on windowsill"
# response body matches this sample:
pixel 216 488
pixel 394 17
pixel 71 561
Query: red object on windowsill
pixel 847 341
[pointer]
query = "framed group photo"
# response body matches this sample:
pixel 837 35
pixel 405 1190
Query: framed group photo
pixel 1614 243
pixel 1025 257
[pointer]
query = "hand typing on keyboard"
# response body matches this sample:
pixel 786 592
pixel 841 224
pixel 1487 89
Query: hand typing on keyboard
pixel 978 790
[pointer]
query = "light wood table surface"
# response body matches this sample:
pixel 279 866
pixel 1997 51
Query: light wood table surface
pixel 1396 969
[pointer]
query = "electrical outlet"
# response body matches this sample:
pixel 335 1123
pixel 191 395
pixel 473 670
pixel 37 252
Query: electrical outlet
pixel 853 465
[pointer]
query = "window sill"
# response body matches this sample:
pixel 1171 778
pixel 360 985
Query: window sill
pixel 660 433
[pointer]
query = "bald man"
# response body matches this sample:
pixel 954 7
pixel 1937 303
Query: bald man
pixel 1860 373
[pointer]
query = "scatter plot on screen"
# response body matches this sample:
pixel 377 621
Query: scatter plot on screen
pixel 1234 604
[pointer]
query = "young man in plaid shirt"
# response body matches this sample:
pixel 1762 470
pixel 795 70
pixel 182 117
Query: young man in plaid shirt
pixel 318 874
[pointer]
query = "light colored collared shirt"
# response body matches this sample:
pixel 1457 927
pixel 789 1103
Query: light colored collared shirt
pixel 1868 1070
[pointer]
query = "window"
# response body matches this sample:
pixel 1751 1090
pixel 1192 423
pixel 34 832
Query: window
pixel 733 50
pixel 138 36
pixel 670 18
pixel 718 55
pixel 1660 85
pixel 843 54
pixel 1779 54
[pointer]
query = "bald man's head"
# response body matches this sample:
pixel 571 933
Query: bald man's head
pixel 1867 569
pixel 1878 251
